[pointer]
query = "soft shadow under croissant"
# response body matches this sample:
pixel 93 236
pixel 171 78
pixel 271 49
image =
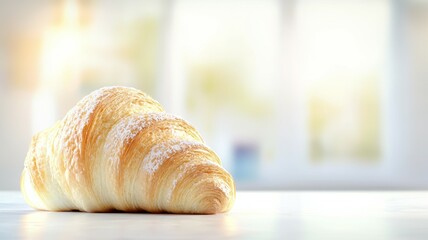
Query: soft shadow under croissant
pixel 118 150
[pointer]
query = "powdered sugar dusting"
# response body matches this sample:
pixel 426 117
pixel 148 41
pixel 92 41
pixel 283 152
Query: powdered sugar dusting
pixel 80 114
pixel 220 184
pixel 74 123
pixel 127 129
pixel 163 151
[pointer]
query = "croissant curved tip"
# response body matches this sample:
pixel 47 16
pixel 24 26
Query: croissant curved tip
pixel 212 205
pixel 212 201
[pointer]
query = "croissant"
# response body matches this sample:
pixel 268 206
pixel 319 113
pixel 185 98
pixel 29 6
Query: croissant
pixel 118 150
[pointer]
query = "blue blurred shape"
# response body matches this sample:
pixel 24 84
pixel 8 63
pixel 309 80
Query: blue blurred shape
pixel 246 161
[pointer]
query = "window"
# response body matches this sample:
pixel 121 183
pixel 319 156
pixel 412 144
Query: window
pixel 225 54
pixel 342 48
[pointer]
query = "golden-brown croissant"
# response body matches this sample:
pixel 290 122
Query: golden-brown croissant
pixel 118 150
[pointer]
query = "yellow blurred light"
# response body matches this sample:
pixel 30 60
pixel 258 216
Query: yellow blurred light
pixel 60 65
pixel 61 48
pixel 71 12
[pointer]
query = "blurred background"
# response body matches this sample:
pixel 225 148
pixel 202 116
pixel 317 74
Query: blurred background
pixel 291 94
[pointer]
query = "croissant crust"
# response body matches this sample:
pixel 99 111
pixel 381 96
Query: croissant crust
pixel 118 150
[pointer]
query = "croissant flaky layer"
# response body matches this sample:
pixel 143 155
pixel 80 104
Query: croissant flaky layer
pixel 118 150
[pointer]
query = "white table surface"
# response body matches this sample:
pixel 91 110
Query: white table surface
pixel 256 215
